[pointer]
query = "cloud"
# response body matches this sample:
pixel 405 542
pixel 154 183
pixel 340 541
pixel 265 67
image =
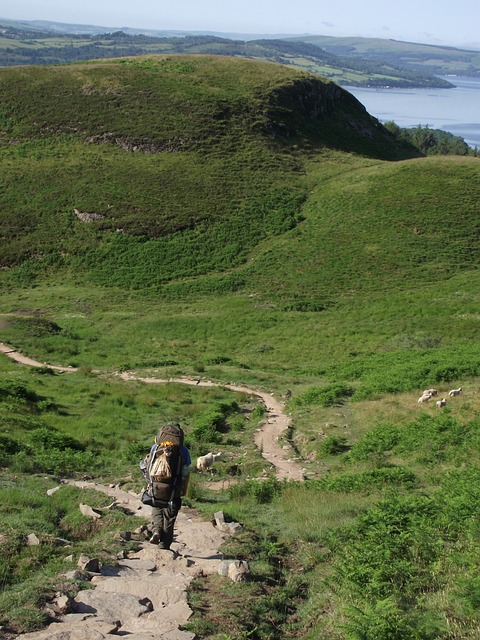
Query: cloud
pixel 327 24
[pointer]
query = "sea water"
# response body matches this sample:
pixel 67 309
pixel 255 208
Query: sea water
pixel 456 110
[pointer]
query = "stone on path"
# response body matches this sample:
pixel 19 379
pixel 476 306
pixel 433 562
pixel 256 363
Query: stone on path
pixel 236 570
pixel 226 527
pixel 90 629
pixel 88 564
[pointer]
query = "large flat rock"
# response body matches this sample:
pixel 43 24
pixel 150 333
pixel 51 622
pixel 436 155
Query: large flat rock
pixel 111 606
pixel 144 596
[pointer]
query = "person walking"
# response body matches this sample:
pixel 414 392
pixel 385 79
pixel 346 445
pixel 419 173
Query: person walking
pixel 167 471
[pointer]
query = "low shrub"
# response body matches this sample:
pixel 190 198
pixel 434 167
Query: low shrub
pixel 207 426
pixel 333 445
pixel 262 492
pixel 18 390
pixel 324 396
pixel 429 438
pixel 210 424
pixel 388 476
pixel 66 462
pixel 403 550
pixel 47 438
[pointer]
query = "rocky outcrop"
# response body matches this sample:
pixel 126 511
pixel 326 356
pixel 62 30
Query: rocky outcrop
pixel 134 145
pixel 322 113
pixel 84 216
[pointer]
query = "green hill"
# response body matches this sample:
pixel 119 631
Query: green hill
pixel 244 222
pixel 186 151
pixel 195 176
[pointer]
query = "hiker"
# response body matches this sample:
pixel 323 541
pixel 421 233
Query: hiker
pixel 167 471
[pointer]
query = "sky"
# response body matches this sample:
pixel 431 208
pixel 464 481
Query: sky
pixel 442 22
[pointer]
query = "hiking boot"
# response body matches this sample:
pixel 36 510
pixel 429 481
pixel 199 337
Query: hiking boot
pixel 155 539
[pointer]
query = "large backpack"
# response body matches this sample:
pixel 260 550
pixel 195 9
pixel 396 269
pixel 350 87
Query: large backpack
pixel 164 465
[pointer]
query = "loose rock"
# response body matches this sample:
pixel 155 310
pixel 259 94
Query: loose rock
pixel 89 564
pixel 32 540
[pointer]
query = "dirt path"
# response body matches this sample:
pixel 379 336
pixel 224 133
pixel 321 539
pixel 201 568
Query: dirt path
pixel 12 353
pixel 266 438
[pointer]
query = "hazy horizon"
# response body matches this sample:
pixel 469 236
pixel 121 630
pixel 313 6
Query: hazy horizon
pixel 430 21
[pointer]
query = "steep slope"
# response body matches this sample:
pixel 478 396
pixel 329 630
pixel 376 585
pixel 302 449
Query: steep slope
pixel 174 103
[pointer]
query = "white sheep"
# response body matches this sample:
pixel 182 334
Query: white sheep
pixel 441 403
pixel 425 398
pixel 431 392
pixel 206 461
pixel 455 392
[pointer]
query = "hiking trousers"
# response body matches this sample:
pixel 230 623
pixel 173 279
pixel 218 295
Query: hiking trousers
pixel 163 522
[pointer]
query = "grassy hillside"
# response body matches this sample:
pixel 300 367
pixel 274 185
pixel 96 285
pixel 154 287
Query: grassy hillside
pixel 213 182
pixel 241 221
pixel 202 152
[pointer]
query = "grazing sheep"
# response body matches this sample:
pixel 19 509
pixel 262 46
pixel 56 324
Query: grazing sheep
pixel 441 403
pixel 431 392
pixel 424 398
pixel 455 392
pixel 206 461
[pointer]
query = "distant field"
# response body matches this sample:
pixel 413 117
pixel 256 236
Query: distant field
pixel 369 60
pixel 438 60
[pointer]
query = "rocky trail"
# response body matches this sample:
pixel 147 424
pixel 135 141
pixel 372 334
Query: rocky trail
pixel 144 596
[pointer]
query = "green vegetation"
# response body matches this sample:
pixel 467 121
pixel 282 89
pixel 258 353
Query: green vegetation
pixel 253 225
pixel 432 141
pixel 389 552
pixel 152 174
pixel 29 575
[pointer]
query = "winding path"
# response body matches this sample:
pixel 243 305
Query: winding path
pixel 144 597
pixel 266 438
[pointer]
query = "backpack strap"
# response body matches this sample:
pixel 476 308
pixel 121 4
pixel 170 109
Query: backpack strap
pixel 178 479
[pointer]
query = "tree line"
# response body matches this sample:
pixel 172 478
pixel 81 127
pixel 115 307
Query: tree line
pixel 431 141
